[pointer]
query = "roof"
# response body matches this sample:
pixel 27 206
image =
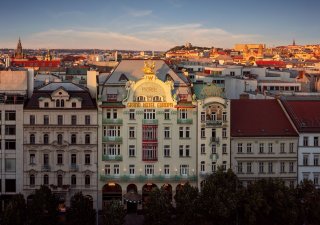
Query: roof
pixel 304 113
pixel 270 63
pixel 259 118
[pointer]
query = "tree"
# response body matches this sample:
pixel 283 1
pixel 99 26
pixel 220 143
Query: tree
pixel 219 198
pixel 43 209
pixel 114 214
pixel 15 211
pixel 81 211
pixel 187 200
pixel 158 208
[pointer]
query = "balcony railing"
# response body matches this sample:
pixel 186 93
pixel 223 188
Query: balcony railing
pixel 214 122
pixel 112 139
pixel 112 121
pixel 150 122
pixel 184 121
pixel 214 140
pixel 145 178
pixel 74 167
pixel 45 167
pixel 111 157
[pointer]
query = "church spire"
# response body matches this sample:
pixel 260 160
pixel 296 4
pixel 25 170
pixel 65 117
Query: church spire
pixel 294 42
pixel 19 50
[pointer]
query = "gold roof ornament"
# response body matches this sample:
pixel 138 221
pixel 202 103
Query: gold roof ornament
pixel 148 67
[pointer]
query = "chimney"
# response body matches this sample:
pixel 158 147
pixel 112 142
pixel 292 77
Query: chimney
pixel 92 83
pixel 30 84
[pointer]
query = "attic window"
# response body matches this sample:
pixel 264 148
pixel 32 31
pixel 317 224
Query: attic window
pixel 157 99
pixel 123 77
pixel 60 93
pixel 141 99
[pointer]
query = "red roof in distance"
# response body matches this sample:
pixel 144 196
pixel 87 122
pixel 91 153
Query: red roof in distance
pixel 271 63
pixel 259 118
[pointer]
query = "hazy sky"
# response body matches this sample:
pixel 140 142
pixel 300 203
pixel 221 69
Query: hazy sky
pixel 157 24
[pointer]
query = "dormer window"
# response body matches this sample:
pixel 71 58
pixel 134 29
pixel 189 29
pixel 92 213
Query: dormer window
pixel 58 103
pixel 141 99
pixel 123 78
pixel 183 97
pixel 112 97
pixel 74 104
pixel 157 99
pixel 62 103
pixel 46 104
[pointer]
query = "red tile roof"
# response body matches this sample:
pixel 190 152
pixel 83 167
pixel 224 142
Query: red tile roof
pixel 271 63
pixel 259 118
pixel 304 113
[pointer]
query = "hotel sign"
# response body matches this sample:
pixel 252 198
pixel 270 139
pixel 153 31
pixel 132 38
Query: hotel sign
pixel 150 104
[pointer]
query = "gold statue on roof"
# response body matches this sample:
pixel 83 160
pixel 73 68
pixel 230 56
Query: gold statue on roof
pixel 148 67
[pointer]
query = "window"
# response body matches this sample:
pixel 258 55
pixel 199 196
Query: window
pixel 60 120
pixel 45 159
pixel 261 147
pixel 166 151
pixel 10 115
pixel 316 179
pixel 203 133
pixel 213 167
pixel 73 120
pixel 32 180
pixel 87 139
pixel 73 139
pixel 270 148
pixel 59 159
pixel 132 151
pixel 240 169
pixel 315 141
pixel 305 160
pixel 87 159
pixel 32 139
pixel 131 132
pixel 180 132
pixel 32 159
pixel 224 149
pixel 131 114
pixel 166 169
pixel 111 149
pixel 239 147
pixel 202 166
pixel 73 159
pixel 183 114
pixel 187 150
pixel 213 116
pixel 149 114
pixel 184 170
pixel 46 104
pixel 149 170
pixel 10 165
pixel 291 167
pixel 73 104
pixel 59 139
pixel 282 167
pixel 131 169
pixel 32 119
pixel 224 165
pixel 87 180
pixel 10 144
pixel 316 160
pixel 282 147
pixel 73 180
pixel 291 147
pixel 213 149
pixel 111 131
pixel 87 120
pixel 116 169
pixel 187 132
pixel 224 132
pixel 249 167
pixel 107 169
pixel 10 130
pixel 57 103
pixel 45 179
pixel 261 167
pixel 46 120
pixel 166 132
pixel 305 176
pixel 10 185
pixel 181 150
pixel 224 116
pixel 203 149
pixel 270 167
pixel 305 141
pixel 249 147
pixel 46 139
pixel 60 180
pixel 141 99
pixel 167 114
pixel 62 103
pixel 203 116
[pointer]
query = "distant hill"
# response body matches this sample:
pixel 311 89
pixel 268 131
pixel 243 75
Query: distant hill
pixel 182 47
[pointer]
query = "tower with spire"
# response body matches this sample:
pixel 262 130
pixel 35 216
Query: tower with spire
pixel 19 51
pixel 294 42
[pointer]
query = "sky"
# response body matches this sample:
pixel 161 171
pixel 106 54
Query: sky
pixel 157 24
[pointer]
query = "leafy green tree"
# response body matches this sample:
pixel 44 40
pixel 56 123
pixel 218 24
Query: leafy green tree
pixel 187 202
pixel 219 198
pixel 81 211
pixel 158 208
pixel 114 213
pixel 43 209
pixel 15 211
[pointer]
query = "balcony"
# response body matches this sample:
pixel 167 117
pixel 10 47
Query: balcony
pixel 184 121
pixel 214 157
pixel 214 140
pixel 74 167
pixel 146 178
pixel 112 139
pixel 45 168
pixel 111 157
pixel 150 122
pixel 112 121
pixel 214 123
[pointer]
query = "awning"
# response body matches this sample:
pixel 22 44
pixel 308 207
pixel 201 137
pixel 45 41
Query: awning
pixel 132 197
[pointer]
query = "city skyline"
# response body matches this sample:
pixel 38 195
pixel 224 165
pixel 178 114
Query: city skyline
pixel 143 25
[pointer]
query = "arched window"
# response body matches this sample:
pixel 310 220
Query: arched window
pixel 202 166
pixel 157 99
pixel 59 180
pixel 87 180
pixel 45 179
pixel 59 139
pixel 141 99
pixel 46 139
pixel 62 103
pixel 73 180
pixel 57 103
pixel 87 139
pixel 32 139
pixel 32 180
